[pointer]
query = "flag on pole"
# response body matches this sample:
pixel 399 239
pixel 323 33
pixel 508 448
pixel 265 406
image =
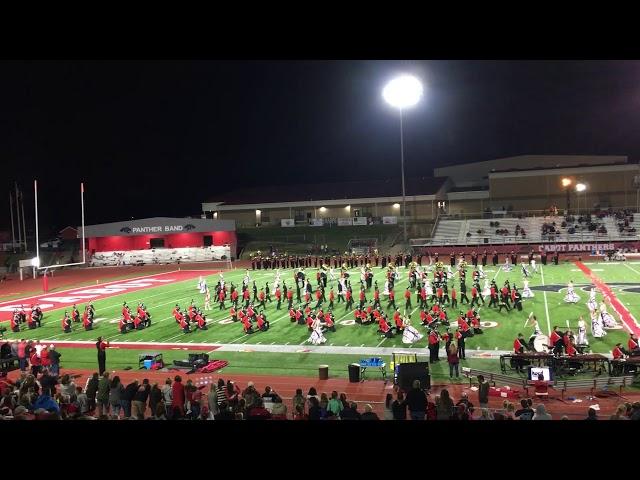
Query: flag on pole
pixel 81 187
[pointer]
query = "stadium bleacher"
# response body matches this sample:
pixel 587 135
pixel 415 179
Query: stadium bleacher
pixel 160 256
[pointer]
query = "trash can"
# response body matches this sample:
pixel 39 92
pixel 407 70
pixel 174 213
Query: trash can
pixel 354 373
pixel 323 372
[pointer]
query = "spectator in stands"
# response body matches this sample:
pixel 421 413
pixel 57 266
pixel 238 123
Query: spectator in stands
pixel 54 358
pixel 388 411
pixel 299 400
pixel 313 393
pixel 250 395
pixel 416 401
pixel 299 413
pixel 91 390
pixel 635 411
pixel 102 396
pixel 452 358
pixel 343 399
pixel 279 409
pixel 620 413
pixel 315 412
pixel 541 413
pixel 369 414
pixel 464 400
pixel 526 412
pixel 139 403
pixel 82 401
pixel 485 414
pixel 127 397
pixel 335 405
pixel 116 391
pixel 212 401
pixel 257 411
pixel 225 413
pixel 350 413
pixel 399 407
pixel 324 403
pixel 48 382
pixel 221 391
pixel 177 398
pixel 592 414
pixel 444 406
pixel 155 397
pixel 483 392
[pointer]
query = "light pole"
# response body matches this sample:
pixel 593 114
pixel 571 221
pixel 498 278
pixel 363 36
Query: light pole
pixel 566 182
pixel 581 187
pixel 403 92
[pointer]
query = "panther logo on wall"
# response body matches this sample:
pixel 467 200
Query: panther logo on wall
pixel 189 227
pixel 126 230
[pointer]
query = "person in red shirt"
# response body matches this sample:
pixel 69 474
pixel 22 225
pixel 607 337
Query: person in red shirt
pixel 299 317
pixel 356 315
pixel 397 319
pixel 66 323
pixel 246 325
pixel 349 299
pixel 392 300
pixel 454 297
pixel 184 325
pixel 556 341
pixel 221 297
pixel 137 323
pixel 407 297
pixel 318 298
pixel 234 298
pixel 632 346
pixel 178 398
pixel 246 297
pixel 434 346
pixel 278 298
pixel 617 352
pixel 86 323
pixel 376 298
pixel 329 323
pixel 331 298
pixel 290 297
pixel 362 298
pixel 45 361
pixel 475 324
pixel 15 326
pixel 263 325
pixel 202 323
pixel 309 323
pixel 36 364
pixel 123 325
pixel 423 317
pixel 126 313
pixel 234 314
pixel 292 315
pixel 384 328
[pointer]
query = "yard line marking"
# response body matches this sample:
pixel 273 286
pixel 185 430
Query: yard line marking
pixel 381 342
pixel 258 343
pixel 273 343
pixel 331 344
pixel 626 265
pixel 362 345
pixel 239 338
pixel 347 345
pixel 546 305
pixel 287 343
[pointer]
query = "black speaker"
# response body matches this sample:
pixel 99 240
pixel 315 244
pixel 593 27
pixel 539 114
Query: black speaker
pixel 354 372
pixel 207 240
pixel 198 357
pixel 408 372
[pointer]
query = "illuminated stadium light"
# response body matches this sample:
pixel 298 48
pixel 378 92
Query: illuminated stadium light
pixel 323 209
pixel 258 212
pixel 396 205
pixel 403 91
pixel 348 207
pixel 215 214
pixel 566 182
pixel 581 187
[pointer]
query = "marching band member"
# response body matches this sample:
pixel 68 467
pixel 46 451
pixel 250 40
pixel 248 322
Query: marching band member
pixel 207 299
pixel 87 321
pixel 15 321
pixel 66 323
pixel 582 332
pixel 384 328
pixel 571 296
pixel 556 341
pixel 632 344
pixel 526 291
pixel 201 320
pixel 434 345
pixel 597 328
pixel 607 319
pixel 592 303
pixel 410 334
pixel 75 314
pixel 617 352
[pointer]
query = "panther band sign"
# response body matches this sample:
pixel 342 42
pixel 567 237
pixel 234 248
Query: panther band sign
pixel 577 247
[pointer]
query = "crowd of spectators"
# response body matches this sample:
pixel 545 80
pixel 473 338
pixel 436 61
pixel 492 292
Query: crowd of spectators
pixel 50 397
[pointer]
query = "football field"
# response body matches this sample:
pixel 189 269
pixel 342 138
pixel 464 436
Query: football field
pixel 285 345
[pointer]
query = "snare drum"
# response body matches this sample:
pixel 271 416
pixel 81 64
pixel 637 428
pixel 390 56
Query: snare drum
pixel 540 343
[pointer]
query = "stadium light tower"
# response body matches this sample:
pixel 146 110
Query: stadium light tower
pixel 403 92
pixel 566 183
pixel 581 187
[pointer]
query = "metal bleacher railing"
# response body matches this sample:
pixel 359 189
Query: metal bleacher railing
pixel 477 229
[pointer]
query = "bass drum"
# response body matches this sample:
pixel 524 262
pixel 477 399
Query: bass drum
pixel 540 343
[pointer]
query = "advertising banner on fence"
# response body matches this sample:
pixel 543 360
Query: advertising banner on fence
pixel 343 222
pixel 576 247
pixel 287 222
pixel 315 222
pixel 359 220
pixel 389 220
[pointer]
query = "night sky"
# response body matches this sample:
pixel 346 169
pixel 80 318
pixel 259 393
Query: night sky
pixel 155 138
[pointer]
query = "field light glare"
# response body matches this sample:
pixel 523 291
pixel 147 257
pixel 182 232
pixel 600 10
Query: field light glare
pixel 581 187
pixel 403 91
pixel 566 182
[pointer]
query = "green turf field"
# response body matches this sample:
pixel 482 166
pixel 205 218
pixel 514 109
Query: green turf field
pixel 161 300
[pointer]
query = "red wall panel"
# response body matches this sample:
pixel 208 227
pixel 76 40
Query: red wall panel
pixel 176 240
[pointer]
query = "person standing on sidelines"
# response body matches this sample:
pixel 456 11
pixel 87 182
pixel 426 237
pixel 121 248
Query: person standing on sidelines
pixel 102 346
pixel 483 392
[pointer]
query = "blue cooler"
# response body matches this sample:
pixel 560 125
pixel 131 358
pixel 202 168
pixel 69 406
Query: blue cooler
pixel 147 364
